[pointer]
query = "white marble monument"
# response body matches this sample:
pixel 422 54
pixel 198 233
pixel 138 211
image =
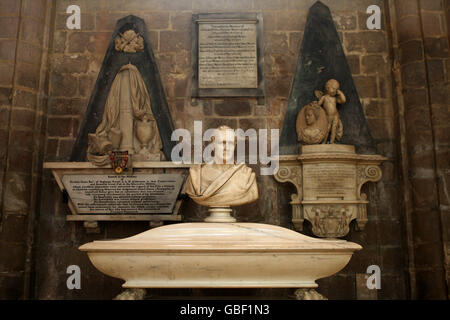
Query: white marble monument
pixel 221 255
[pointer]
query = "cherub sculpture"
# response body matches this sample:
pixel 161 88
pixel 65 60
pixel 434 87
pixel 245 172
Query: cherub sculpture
pixel 329 101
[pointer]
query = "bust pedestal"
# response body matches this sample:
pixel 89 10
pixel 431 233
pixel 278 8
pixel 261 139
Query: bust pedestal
pixel 220 214
pixel 328 179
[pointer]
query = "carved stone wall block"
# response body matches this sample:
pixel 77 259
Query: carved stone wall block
pixel 328 180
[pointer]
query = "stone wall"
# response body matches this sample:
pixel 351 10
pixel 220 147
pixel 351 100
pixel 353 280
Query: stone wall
pixel 24 41
pixel 421 47
pixel 385 64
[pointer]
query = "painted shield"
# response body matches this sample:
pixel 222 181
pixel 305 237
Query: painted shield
pixel 119 160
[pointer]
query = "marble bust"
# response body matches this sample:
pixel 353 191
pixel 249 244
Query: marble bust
pixel 222 183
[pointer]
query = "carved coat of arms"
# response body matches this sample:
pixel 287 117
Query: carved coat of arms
pixel 129 41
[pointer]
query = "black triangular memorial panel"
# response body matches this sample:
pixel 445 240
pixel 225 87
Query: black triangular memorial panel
pixel 322 58
pixel 113 61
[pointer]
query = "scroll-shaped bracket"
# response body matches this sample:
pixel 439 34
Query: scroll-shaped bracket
pixel 366 173
pixel 293 175
pixel 290 171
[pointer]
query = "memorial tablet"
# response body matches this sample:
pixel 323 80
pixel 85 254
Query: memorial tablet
pixel 329 180
pixel 226 55
pixel 123 194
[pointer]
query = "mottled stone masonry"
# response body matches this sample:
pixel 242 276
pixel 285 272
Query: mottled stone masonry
pixel 423 53
pixel 78 54
pixel 47 74
pixel 24 42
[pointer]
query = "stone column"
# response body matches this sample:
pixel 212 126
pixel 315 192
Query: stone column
pixel 23 59
pixel 421 52
pixel 437 55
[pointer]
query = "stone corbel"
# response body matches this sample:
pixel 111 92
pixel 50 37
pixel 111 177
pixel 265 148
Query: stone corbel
pixel 366 173
pixel 290 171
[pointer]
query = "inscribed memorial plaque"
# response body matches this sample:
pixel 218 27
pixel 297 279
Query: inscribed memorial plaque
pixel 321 180
pixel 227 55
pixel 122 194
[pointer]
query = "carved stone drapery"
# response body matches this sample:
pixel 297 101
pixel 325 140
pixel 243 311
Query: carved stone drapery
pixel 128 123
pixel 328 180
pixel 129 35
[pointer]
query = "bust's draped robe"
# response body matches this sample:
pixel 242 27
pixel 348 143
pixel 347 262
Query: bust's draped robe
pixel 232 187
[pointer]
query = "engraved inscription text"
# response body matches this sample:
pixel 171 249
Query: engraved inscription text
pixel 113 194
pixel 329 180
pixel 227 55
